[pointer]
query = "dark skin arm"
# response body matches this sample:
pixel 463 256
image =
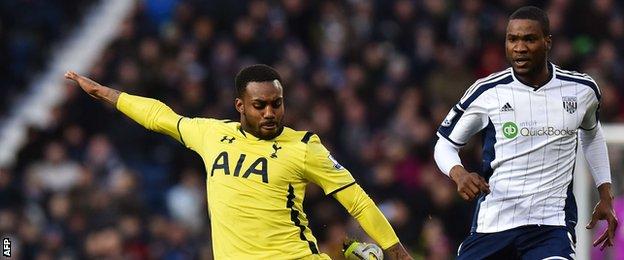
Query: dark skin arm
pixel 469 184
pixel 604 211
pixel 94 89
pixel 397 251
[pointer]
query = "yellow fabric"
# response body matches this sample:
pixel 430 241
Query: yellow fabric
pixel 150 113
pixel 255 187
pixel 323 169
pixel 362 208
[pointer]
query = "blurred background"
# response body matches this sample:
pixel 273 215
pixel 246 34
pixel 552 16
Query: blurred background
pixel 372 78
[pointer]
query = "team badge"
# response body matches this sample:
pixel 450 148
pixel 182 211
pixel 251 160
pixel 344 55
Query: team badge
pixel 569 104
pixel 275 149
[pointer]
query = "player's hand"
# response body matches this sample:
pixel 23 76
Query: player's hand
pixel 469 184
pixel 88 85
pixel 93 88
pixel 604 211
pixel 354 250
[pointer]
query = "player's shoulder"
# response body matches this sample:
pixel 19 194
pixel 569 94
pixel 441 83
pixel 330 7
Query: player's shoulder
pixel 213 125
pixel 579 78
pixel 225 125
pixel 484 84
pixel 571 73
pixel 493 77
pixel 301 136
pixel 224 122
pixel 209 121
pixel 500 77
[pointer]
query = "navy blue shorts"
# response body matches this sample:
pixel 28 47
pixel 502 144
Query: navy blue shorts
pixel 526 242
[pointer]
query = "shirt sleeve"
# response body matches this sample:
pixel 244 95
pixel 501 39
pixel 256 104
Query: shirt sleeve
pixel 321 168
pixel 464 120
pixel 595 150
pixel 150 113
pixel 591 118
pixel 193 130
pixel 158 117
pixel 592 139
pixel 364 210
pixel 446 156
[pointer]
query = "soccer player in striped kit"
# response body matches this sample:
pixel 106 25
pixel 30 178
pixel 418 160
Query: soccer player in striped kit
pixel 530 116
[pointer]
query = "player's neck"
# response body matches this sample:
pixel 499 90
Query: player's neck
pixel 537 79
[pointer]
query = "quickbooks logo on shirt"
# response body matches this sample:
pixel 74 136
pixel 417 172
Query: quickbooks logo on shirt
pixel 549 131
pixel 510 130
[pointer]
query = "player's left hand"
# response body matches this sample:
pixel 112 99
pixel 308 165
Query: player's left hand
pixel 604 211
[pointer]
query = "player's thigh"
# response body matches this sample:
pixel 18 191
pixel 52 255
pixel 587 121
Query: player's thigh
pixel 488 246
pixel 553 244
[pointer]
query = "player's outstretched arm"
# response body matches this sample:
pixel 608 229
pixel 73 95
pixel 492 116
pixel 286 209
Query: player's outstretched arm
pixel 94 89
pixel 363 209
pixel 150 113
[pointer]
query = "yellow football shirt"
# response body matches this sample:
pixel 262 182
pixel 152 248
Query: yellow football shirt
pixel 256 187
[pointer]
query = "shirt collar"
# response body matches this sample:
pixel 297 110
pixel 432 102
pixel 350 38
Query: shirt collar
pixel 551 75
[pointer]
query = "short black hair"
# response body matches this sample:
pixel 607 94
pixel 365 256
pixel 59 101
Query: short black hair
pixel 535 14
pixel 254 73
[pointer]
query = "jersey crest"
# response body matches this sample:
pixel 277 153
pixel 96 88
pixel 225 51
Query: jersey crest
pixel 569 104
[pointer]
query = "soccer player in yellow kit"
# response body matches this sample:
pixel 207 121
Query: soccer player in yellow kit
pixel 257 171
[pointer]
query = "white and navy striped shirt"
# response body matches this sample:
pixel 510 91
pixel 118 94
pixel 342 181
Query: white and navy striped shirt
pixel 529 145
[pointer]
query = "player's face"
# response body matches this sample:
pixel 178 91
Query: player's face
pixel 526 46
pixel 262 109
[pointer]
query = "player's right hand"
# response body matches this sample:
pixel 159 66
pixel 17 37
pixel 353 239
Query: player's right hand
pixel 88 85
pixel 94 89
pixel 469 184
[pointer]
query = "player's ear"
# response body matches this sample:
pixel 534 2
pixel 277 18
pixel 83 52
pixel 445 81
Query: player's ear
pixel 548 42
pixel 238 104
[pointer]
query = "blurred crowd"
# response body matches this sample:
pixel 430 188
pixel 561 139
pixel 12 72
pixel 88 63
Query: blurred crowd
pixel 27 29
pixel 372 78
